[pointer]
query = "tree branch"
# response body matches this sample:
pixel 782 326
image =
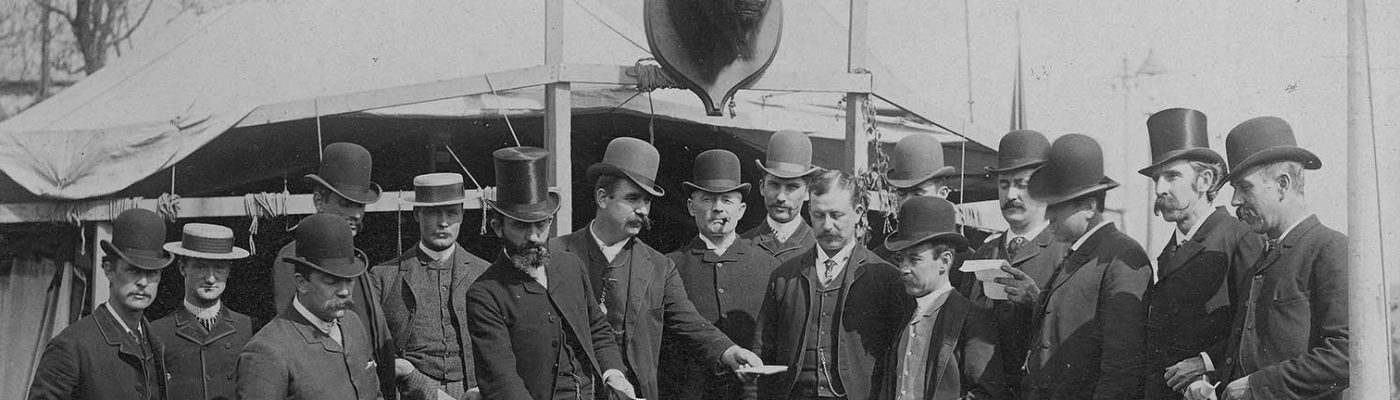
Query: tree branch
pixel 133 27
pixel 45 5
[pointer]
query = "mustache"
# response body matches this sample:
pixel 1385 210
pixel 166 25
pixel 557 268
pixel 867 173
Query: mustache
pixel 337 304
pixel 642 220
pixel 1010 204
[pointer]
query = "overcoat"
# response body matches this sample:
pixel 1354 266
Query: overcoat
pixel 389 283
pixel 96 359
pixel 292 359
pixel 203 364
pixel 764 237
pixel 961 361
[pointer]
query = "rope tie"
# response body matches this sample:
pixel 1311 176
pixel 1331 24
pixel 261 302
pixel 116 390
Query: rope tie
pixel 501 108
pixel 263 205
pixel 168 206
pixel 650 76
pixel 480 191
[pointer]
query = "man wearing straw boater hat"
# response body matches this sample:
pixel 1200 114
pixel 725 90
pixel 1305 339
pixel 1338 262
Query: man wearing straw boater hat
pixel 916 170
pixel 1290 337
pixel 637 287
pixel 203 338
pixel 784 233
pixel 1089 344
pixel 1189 305
pixel 946 350
pixel 317 347
pixel 724 276
pixel 111 353
pixel 422 295
pixel 537 332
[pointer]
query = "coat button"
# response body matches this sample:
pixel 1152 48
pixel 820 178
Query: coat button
pixel 721 290
pixel 719 265
pixel 1045 345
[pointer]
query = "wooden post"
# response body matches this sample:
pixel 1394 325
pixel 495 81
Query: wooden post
pixel 558 114
pixel 100 290
pixel 857 141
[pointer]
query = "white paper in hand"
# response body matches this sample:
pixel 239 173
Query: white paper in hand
pixel 763 369
pixel 986 271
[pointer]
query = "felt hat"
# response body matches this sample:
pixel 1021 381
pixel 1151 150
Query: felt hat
pixel 1178 134
pixel 1073 169
pixel 1263 140
pixel 1020 149
pixel 325 242
pixel 437 189
pixel 717 171
pixel 345 169
pixel 138 236
pixel 924 219
pixel 207 241
pixel 522 193
pixel 916 159
pixel 789 155
pixel 633 159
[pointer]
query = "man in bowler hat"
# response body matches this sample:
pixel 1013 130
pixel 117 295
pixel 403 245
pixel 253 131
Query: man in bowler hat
pixel 1290 338
pixel 537 332
pixel 422 295
pixel 784 233
pixel 637 287
pixel 317 348
pixel 724 276
pixel 203 338
pixel 112 353
pixel 916 170
pixel 1189 305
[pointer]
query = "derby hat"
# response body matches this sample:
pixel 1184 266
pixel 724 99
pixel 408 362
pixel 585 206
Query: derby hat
pixel 1073 169
pixel 324 242
pixel 1263 140
pixel 924 219
pixel 207 241
pixel 789 155
pixel 717 171
pixel 1178 134
pixel 1020 149
pixel 345 169
pixel 521 191
pixel 138 235
pixel 437 189
pixel 633 159
pixel 916 159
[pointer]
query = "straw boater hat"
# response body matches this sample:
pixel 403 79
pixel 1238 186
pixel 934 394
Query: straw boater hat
pixel 925 219
pixel 917 159
pixel 1263 140
pixel 789 155
pixel 521 190
pixel 1179 134
pixel 1073 169
pixel 345 169
pixel 1020 149
pixel 717 171
pixel 324 242
pixel 633 159
pixel 207 241
pixel 437 189
pixel 137 237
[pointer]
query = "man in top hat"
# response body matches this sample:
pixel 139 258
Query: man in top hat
pixel 202 339
pixel 724 276
pixel 784 233
pixel 422 294
pixel 946 351
pixel 111 353
pixel 537 332
pixel 832 313
pixel 317 347
pixel 1189 305
pixel 916 170
pixel 1290 337
pixel 1027 246
pixel 637 287
pixel 1089 344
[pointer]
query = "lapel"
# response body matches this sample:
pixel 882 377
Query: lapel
pixel 187 327
pixel 1085 253
pixel 1031 249
pixel 699 250
pixel 639 273
pixel 117 337
pixel 311 333
pixel 1286 243
pixel 765 238
pixel 409 267
pixel 948 326
pixel 1190 248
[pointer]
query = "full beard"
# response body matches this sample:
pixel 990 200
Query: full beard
pixel 529 257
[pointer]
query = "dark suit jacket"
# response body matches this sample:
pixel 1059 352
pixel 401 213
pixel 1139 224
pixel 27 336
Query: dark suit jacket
pixel 95 359
pixel 656 301
pixel 872 307
pixel 1189 307
pixel 387 282
pixel 292 359
pixel 1090 342
pixel 203 364
pixel 961 359
pixel 512 316
pixel 1297 345
pixel 801 240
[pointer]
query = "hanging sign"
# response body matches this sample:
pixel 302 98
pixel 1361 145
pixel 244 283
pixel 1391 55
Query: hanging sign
pixel 714 47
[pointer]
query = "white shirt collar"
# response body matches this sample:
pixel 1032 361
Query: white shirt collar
pixel 721 247
pixel 1087 234
pixel 203 313
pixel 1290 228
pixel 841 257
pixel 436 255
pixel 609 252
pixel 1030 235
pixel 323 325
pixel 119 319
pixel 931 302
pixel 783 230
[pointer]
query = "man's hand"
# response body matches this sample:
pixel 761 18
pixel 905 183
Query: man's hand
pixel 1020 288
pixel 619 384
pixel 736 357
pixel 402 368
pixel 1238 390
pixel 1182 374
pixel 1200 389
pixel 473 394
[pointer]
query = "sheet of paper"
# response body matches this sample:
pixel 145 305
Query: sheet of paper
pixel 987 271
pixel 763 370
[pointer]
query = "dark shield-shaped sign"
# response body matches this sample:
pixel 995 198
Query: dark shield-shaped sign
pixel 714 47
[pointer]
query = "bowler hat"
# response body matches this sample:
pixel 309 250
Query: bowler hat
pixel 1178 134
pixel 633 159
pixel 207 241
pixel 789 155
pixel 137 237
pixel 325 242
pixel 1262 140
pixel 1073 169
pixel 437 189
pixel 916 159
pixel 924 219
pixel 1020 149
pixel 522 194
pixel 717 171
pixel 345 169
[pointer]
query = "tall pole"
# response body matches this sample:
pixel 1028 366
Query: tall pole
pixel 558 119
pixel 857 139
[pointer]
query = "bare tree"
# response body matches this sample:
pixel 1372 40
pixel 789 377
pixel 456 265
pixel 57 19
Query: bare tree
pixel 99 26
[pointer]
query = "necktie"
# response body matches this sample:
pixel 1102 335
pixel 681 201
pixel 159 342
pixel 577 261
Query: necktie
pixel 335 332
pixel 830 272
pixel 208 323
pixel 1015 246
pixel 1171 247
pixel 1270 246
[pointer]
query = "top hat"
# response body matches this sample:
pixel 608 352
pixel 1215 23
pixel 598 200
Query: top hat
pixel 521 190
pixel 325 242
pixel 633 159
pixel 437 189
pixel 1073 169
pixel 1020 149
pixel 137 237
pixel 345 170
pixel 789 155
pixel 1178 133
pixel 207 241
pixel 1262 140
pixel 717 171
pixel 916 159
pixel 924 219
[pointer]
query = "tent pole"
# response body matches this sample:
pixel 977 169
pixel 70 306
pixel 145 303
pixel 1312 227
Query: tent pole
pixel 857 140
pixel 100 290
pixel 558 114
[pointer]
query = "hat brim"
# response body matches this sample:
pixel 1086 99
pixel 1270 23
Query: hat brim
pixel 944 172
pixel 1197 154
pixel 409 201
pixel 742 188
pixel 898 242
pixel 142 262
pixel 1016 166
pixel 365 197
pixel 787 173
pixel 1285 153
pixel 358 264
pixel 178 249
pixel 529 212
pixel 1103 186
pixel 648 185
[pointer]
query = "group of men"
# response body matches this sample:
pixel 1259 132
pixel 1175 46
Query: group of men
pixel 809 304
